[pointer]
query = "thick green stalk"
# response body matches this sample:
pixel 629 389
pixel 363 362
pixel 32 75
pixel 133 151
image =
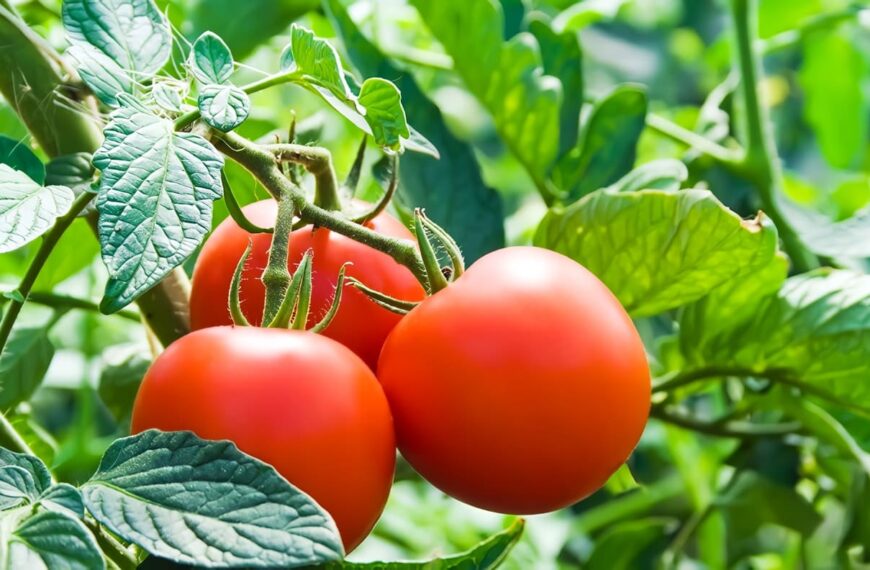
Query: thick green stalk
pixel 62 120
pixel 762 161
pixel 276 276
pixel 317 161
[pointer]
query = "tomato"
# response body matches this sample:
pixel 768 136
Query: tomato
pixel 360 324
pixel 297 400
pixel 521 387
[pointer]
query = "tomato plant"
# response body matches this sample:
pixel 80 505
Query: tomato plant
pixel 359 324
pixel 605 261
pixel 522 387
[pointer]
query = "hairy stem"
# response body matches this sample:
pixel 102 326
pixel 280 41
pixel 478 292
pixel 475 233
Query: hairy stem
pixel 264 166
pixel 276 276
pixel 761 160
pixel 48 242
pixel 317 161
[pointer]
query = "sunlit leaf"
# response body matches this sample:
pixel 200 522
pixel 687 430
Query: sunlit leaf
pixel 28 210
pixel 224 107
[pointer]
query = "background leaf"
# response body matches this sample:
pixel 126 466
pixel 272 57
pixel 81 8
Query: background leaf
pixel 27 210
pixel 17 154
pixel 23 364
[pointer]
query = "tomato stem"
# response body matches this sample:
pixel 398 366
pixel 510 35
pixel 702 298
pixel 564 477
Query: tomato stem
pixel 276 277
pixel 291 299
pixel 317 161
pixel 236 313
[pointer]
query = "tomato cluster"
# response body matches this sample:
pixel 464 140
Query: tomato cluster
pixel 520 388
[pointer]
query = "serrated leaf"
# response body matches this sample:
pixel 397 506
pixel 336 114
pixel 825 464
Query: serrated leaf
pixel 155 200
pixel 133 33
pixel 47 540
pixel 507 77
pixel 63 498
pixel 384 113
pixel 425 182
pixel 119 382
pixel 225 508
pixel 318 61
pixel 224 107
pixel 28 210
pixel 23 364
pixel 815 330
pixel 18 155
pixel 607 146
pixel 211 61
pixel 658 250
pixel 663 174
pixel 101 73
pixel 487 555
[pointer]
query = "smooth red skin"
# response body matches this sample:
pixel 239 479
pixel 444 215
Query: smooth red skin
pixel 360 324
pixel 297 400
pixel 521 387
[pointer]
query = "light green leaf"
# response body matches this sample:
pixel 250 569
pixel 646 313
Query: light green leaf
pixel 133 33
pixel 47 540
pixel 833 77
pixel 487 555
pixel 663 174
pixel 847 238
pixel 155 200
pixel 318 61
pixel 18 155
pixel 225 508
pixel 383 112
pixel 211 61
pixel 425 182
pixel 582 14
pixel 119 382
pixel 224 107
pixel 28 210
pixel 608 144
pixel 37 439
pixel 167 97
pixel 23 365
pixel 507 77
pixel 75 250
pixel 101 73
pixel 815 331
pixel 658 250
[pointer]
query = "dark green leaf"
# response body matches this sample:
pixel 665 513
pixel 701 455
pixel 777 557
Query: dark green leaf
pixel 224 508
pixel 63 498
pixel 28 210
pixel 31 464
pixel 120 381
pixel 436 185
pixel 630 545
pixel 211 61
pixel 23 365
pixel 16 487
pixel 70 170
pixel 224 107
pixel 18 155
pixel 47 539
pixel 133 33
pixel 658 250
pixel 608 144
pixel 155 200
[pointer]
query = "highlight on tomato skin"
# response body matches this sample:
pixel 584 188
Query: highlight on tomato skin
pixel 360 324
pixel 297 400
pixel 521 387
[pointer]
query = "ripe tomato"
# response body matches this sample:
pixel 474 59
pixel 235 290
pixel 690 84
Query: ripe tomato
pixel 294 399
pixel 360 324
pixel 521 387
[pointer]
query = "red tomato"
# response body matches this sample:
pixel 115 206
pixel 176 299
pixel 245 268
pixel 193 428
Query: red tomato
pixel 360 324
pixel 521 387
pixel 294 399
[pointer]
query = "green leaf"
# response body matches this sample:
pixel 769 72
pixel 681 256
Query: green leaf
pixel 663 174
pixel 847 238
pixel 582 14
pixel 507 77
pixel 211 61
pixel 28 210
pixel 833 77
pixel 608 144
pixel 224 107
pixel 101 73
pixel 224 508
pixel 63 498
pixel 658 250
pixel 119 382
pixel 562 58
pixel 133 33
pixel 155 200
pixel 33 465
pixel 384 114
pixel 18 155
pixel 628 545
pixel 424 182
pixel 47 539
pixel 70 170
pixel 487 555
pixel 23 364
pixel 25 479
pixel 37 439
pixel 168 97
pixel 813 331
pixel 17 487
pixel 74 251
pixel 318 61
